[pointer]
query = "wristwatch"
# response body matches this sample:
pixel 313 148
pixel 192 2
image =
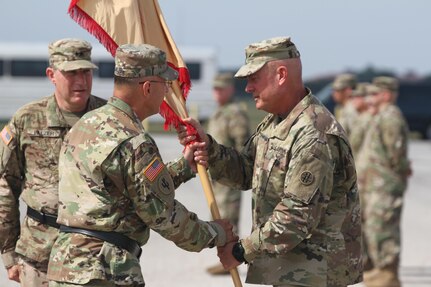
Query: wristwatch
pixel 238 252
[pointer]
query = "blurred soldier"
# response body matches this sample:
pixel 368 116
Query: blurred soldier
pixel 344 111
pixel 361 121
pixel 301 170
pixel 230 126
pixel 386 173
pixel 114 185
pixel 29 152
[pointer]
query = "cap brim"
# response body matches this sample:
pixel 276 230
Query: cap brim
pixel 76 65
pixel 169 75
pixel 249 69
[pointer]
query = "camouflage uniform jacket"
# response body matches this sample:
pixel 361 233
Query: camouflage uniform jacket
pixel 358 133
pixel 229 125
pixel 29 168
pixel 385 149
pixel 112 178
pixel 303 180
pixel 346 116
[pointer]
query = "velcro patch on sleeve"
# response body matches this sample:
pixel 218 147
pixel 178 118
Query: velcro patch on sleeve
pixel 153 169
pixel 6 135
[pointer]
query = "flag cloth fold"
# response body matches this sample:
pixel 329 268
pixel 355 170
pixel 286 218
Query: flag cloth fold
pixel 115 23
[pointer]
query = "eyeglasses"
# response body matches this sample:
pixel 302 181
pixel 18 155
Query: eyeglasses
pixel 167 83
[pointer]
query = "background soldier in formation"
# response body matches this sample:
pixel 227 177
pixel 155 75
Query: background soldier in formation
pixel 384 172
pixel 230 126
pixel 361 121
pixel 344 111
pixel 301 170
pixel 29 152
pixel 114 185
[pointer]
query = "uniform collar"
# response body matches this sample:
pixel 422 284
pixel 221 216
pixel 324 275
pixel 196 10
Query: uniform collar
pixel 126 109
pixel 281 129
pixel 55 118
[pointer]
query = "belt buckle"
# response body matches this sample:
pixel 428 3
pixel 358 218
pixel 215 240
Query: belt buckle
pixel 43 217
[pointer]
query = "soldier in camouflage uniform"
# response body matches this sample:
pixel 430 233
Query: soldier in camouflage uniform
pixel 114 185
pixel 302 174
pixel 345 112
pixel 230 126
pixel 29 149
pixel 361 121
pixel 387 168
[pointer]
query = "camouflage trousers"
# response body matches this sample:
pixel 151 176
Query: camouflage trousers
pixel 32 274
pixel 381 218
pixel 229 203
pixel 92 283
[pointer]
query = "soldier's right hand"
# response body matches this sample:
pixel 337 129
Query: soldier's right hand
pixel 13 273
pixel 185 138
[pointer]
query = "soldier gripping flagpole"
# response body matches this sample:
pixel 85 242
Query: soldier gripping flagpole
pixel 145 24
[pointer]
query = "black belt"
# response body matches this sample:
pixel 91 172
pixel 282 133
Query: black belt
pixel 115 238
pixel 43 218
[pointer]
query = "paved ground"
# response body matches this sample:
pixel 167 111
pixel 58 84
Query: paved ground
pixel 163 264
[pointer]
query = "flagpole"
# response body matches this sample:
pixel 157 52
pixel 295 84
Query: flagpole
pixel 212 204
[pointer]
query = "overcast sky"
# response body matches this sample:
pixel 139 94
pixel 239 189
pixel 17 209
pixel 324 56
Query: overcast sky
pixel 332 35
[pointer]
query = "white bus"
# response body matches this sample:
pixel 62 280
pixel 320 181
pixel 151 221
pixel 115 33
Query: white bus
pixel 23 79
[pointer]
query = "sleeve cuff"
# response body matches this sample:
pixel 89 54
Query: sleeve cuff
pixel 10 259
pixel 212 149
pixel 220 238
pixel 251 245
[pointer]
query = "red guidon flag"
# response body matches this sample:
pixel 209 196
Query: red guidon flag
pixel 115 23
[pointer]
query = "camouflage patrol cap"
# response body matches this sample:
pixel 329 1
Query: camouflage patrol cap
pixel 258 54
pixel 386 83
pixel 360 90
pixel 223 80
pixel 70 54
pixel 142 60
pixel 343 81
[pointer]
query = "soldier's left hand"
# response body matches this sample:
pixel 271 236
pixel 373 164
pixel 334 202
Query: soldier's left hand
pixel 196 153
pixel 226 257
pixel 13 273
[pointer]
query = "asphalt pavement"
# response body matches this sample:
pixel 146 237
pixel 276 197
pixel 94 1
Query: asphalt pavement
pixel 164 264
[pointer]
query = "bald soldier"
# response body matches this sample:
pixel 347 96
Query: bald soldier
pixel 230 126
pixel 300 168
pixel 29 149
pixel 345 112
pixel 385 180
pixel 114 186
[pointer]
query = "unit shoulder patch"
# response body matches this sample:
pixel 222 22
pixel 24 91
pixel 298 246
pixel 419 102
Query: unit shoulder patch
pixel 306 178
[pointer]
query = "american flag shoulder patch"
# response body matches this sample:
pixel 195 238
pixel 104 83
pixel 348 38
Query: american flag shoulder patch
pixel 6 135
pixel 154 169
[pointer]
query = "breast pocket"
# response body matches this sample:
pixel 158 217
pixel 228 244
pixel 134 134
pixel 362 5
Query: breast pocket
pixel 270 171
pixel 42 149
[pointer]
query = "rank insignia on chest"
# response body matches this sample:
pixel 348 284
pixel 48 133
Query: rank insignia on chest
pixel 6 135
pixel 153 169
